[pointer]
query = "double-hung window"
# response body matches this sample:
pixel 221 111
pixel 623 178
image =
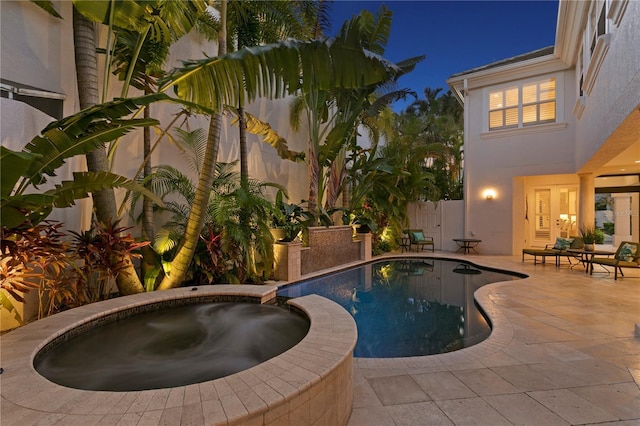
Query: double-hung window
pixel 523 104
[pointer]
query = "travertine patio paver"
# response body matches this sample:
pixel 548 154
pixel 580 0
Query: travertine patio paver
pixel 562 352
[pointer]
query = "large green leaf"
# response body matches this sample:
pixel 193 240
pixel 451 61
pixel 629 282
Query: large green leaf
pixel 277 70
pixel 77 123
pixel 32 208
pixel 126 13
pixel 83 132
pixel 84 183
pixel 13 166
pixel 168 19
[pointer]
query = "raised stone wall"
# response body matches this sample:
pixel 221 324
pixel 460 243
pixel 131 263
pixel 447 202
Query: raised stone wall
pixel 329 247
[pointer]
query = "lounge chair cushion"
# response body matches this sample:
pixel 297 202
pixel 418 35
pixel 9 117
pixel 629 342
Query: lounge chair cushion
pixel 628 253
pixel 562 243
pixel 418 236
pixel 577 243
pixel 610 261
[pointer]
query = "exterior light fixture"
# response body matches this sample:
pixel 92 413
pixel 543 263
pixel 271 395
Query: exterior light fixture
pixel 489 194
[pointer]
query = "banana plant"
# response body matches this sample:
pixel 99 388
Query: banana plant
pixel 271 71
pixel 45 154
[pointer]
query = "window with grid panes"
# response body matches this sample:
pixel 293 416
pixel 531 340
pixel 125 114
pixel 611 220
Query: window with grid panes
pixel 523 105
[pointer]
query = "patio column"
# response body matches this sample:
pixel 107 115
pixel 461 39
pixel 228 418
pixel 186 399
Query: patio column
pixel 621 218
pixel 586 200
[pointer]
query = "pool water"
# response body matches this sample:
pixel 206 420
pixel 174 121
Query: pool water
pixel 172 347
pixel 408 307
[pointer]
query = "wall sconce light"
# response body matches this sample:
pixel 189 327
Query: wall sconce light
pixel 489 194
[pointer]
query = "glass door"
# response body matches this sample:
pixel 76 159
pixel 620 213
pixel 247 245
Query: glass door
pixel 555 214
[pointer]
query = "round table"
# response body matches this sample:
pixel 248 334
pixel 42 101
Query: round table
pixel 467 244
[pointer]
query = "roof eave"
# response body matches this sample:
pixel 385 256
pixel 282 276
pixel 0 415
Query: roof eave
pixel 572 18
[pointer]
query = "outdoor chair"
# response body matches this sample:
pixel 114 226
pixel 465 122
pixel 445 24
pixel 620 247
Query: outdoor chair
pixel 577 243
pixel 627 256
pixel 419 240
pixel 557 250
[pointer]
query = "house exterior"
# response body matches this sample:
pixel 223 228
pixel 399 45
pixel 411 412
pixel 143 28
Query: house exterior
pixel 549 131
pixel 544 158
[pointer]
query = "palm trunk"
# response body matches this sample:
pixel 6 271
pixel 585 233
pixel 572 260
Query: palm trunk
pixel 337 175
pixel 182 260
pixel 244 167
pixel 314 179
pixel 149 262
pixel 104 201
pixel 147 204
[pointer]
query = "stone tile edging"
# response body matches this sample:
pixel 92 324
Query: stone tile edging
pixel 311 382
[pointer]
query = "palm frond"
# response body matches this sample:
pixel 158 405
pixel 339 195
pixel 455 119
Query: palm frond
pixel 82 132
pixel 84 183
pixel 193 144
pixel 269 135
pixel 276 70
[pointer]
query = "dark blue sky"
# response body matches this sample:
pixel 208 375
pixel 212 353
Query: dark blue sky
pixel 456 35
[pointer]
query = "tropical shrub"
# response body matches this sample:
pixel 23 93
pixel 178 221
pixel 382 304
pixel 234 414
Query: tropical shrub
pixel 291 218
pixel 235 237
pixel 65 272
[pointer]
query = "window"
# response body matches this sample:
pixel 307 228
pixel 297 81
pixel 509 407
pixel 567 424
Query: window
pixel 525 104
pixel 596 43
pixel 50 103
pixel 598 23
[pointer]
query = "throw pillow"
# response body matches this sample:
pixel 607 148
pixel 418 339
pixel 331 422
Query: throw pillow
pixel 418 236
pixel 627 252
pixel 562 243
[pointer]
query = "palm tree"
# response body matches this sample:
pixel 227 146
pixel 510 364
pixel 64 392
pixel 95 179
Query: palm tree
pixel 139 21
pixel 253 23
pixel 333 116
pixel 236 221
pixel 442 117
pixel 142 33
pixel 273 70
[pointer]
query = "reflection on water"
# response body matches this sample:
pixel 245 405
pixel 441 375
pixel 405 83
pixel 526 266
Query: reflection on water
pixel 408 307
pixel 174 347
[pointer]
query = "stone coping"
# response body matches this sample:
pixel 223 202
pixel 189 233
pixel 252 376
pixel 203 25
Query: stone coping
pixel 294 381
pixel 502 332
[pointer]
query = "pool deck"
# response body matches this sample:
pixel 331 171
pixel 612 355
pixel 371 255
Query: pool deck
pixel 563 351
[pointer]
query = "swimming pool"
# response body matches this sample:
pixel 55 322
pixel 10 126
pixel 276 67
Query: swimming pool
pixel 408 307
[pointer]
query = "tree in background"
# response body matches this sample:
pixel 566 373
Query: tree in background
pixel 442 116
pixel 333 115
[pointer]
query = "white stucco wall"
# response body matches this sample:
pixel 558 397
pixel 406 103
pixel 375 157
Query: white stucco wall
pixel 493 160
pixel 616 91
pixel 37 50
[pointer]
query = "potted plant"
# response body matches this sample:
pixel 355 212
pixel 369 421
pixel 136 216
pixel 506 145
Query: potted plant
pixel 588 234
pixel 289 220
pixel 361 219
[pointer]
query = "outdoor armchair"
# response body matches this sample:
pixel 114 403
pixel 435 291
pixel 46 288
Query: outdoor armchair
pixel 419 240
pixel 627 256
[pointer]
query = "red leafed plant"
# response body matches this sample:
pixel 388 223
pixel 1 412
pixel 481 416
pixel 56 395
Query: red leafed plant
pixel 66 273
pixel 33 258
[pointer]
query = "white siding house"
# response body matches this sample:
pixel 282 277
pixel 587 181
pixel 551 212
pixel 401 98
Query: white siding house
pixel 547 130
